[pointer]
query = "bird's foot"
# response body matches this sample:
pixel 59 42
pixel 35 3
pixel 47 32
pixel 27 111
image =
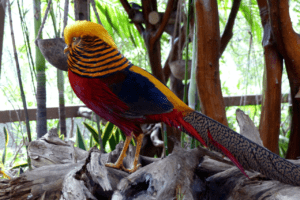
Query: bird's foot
pixel 115 166
pixel 135 167
pixel 121 166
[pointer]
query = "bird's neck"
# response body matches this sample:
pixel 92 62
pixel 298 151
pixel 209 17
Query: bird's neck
pixel 94 58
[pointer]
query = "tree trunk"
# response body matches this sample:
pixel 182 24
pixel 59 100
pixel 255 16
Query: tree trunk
pixel 41 115
pixel 269 127
pixel 294 147
pixel 62 109
pixel 287 41
pixel 208 76
pixel 82 10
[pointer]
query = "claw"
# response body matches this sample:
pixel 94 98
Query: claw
pixel 119 163
pixel 116 166
pixel 135 167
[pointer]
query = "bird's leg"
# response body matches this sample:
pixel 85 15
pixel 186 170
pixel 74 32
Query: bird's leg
pixel 119 163
pixel 139 142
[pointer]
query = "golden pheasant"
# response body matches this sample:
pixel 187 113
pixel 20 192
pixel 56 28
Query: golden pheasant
pixel 128 96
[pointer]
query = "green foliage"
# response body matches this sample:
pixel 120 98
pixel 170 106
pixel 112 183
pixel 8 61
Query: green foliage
pixel 283 144
pixel 6 136
pixel 111 136
pixel 107 133
pixel 80 139
pixel 116 21
pixel 20 166
pixel 251 13
pixel 94 133
pixel 179 194
pixel 165 140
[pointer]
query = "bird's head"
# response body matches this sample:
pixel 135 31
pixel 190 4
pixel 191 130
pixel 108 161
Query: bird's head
pixel 75 32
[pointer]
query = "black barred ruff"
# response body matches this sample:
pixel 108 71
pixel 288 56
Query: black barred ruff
pixel 94 58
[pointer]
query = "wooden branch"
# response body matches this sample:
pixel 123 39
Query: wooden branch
pixel 247 127
pixel 271 106
pixel 227 34
pixel 146 9
pixel 269 127
pixel 207 72
pixel 128 9
pixel 137 17
pixel 287 43
pixel 164 22
pixel 284 34
pixel 174 55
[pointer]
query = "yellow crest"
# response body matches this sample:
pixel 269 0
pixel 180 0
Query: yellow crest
pixel 81 28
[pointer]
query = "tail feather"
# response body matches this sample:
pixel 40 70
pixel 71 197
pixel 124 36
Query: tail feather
pixel 249 154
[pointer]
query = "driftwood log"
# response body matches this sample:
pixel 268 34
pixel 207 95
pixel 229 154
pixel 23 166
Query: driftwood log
pixel 62 171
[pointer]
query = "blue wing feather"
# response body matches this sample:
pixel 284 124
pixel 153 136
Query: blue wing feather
pixel 139 94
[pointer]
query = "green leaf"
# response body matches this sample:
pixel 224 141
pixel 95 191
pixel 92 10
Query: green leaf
pixel 20 165
pixel 124 137
pixel 117 20
pixel 117 135
pixel 91 142
pixel 62 137
pixel 79 139
pixel 6 143
pixel 112 142
pixel 121 134
pixel 253 19
pixel 107 133
pixel 93 131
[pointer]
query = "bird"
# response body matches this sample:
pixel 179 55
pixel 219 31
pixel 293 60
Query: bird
pixel 128 96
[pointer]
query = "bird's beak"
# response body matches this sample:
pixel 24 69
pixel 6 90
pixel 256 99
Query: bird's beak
pixel 67 49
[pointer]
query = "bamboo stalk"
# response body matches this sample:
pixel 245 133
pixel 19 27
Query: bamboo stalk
pixel 60 84
pixel 19 74
pixel 20 82
pixel 2 22
pixel 186 63
pixel 95 11
pixel 28 48
pixel 41 124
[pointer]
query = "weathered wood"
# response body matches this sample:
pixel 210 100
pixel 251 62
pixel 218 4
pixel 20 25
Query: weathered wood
pixel 161 180
pixel 62 171
pixel 52 113
pixel 247 127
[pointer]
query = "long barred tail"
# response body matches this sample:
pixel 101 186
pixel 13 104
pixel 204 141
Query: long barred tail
pixel 249 154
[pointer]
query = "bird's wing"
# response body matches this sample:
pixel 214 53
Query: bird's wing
pixel 139 93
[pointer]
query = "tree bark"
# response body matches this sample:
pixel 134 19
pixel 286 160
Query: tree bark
pixel 208 76
pixel 269 127
pixel 82 10
pixel 288 41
